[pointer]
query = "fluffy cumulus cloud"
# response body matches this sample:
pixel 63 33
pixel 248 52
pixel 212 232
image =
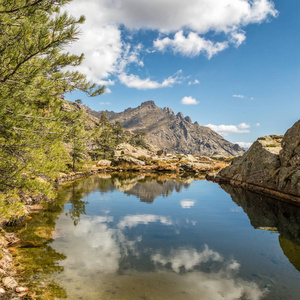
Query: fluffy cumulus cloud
pixel 189 101
pixel 182 30
pixel 134 81
pixel 226 129
pixel 191 45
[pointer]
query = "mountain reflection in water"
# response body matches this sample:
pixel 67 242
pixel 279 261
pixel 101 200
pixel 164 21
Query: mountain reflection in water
pixel 97 242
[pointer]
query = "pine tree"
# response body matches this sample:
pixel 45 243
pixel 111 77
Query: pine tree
pixel 138 139
pixel 33 34
pixel 76 136
pixel 118 132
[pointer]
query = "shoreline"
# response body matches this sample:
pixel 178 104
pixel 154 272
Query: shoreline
pixel 8 274
pixel 276 194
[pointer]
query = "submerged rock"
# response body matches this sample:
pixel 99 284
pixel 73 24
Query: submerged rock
pixel 21 289
pixel 9 283
pixel 2 291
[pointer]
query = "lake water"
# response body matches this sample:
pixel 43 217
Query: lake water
pixel 161 237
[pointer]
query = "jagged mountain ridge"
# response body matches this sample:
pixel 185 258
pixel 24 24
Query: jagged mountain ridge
pixel 173 133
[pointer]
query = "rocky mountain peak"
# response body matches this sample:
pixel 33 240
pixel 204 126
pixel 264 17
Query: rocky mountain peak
pixel 174 134
pixel 188 119
pixel 168 111
pixel 180 116
pixel 148 103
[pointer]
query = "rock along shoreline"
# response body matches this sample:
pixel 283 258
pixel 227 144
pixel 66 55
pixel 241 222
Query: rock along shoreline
pixel 270 167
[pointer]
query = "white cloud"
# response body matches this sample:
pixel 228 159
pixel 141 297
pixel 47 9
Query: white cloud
pixel 245 145
pixel 107 53
pixel 237 37
pixel 189 101
pixel 239 96
pixel 191 46
pixel 193 82
pixel 257 124
pixel 106 82
pixel 198 15
pixel 187 203
pixel 243 126
pixel 134 81
pixel 104 103
pixel 226 129
pixel 102 47
pixel 242 96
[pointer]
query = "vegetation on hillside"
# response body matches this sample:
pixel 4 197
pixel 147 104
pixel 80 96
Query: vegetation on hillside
pixel 34 76
pixel 38 138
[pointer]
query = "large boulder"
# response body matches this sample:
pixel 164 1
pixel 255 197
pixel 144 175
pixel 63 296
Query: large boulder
pixel 271 162
pixel 288 179
pixel 290 153
pixel 257 165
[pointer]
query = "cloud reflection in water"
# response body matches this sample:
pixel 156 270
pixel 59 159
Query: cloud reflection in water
pixel 97 245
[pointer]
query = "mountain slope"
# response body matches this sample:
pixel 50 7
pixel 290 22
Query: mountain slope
pixel 173 133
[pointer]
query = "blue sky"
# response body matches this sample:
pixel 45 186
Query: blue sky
pixel 230 64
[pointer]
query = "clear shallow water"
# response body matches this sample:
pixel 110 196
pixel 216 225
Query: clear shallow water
pixel 151 237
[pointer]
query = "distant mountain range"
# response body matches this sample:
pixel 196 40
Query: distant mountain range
pixel 170 132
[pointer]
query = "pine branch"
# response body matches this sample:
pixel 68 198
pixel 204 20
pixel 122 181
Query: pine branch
pixel 22 7
pixel 35 131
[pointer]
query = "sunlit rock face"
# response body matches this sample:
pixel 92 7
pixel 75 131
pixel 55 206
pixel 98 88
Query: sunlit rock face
pixel 288 178
pixel 270 162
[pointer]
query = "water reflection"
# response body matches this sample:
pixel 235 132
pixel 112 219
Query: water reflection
pixel 268 214
pixel 147 187
pixel 100 254
pixel 35 259
pixel 94 243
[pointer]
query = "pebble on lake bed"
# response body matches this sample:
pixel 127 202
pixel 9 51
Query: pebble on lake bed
pixel 21 289
pixel 9 283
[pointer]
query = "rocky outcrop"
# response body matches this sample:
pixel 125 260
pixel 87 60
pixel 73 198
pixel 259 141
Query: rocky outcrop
pixel 272 164
pixel 288 178
pixel 172 133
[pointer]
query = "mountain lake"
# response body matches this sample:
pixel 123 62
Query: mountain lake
pixel 158 237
